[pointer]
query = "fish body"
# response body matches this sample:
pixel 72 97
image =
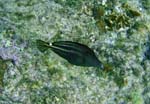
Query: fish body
pixel 75 53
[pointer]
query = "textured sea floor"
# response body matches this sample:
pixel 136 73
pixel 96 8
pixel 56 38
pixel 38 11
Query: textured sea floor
pixel 117 30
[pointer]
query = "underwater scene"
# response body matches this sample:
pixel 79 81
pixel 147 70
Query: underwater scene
pixel 74 51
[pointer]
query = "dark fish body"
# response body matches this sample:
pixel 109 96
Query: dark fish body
pixel 75 53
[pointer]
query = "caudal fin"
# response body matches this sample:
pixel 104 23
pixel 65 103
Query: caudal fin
pixel 42 45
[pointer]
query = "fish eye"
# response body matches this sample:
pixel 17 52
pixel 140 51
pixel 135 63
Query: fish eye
pixel 50 44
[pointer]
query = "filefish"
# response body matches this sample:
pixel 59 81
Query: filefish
pixel 75 53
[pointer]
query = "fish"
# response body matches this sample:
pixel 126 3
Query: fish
pixel 75 53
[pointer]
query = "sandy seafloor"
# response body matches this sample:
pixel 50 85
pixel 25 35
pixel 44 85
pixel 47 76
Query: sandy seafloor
pixel 123 45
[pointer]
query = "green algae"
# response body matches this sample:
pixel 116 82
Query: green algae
pixel 113 20
pixel 137 98
pixel 3 67
pixel 70 3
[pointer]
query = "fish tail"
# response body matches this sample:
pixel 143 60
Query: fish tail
pixel 42 45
